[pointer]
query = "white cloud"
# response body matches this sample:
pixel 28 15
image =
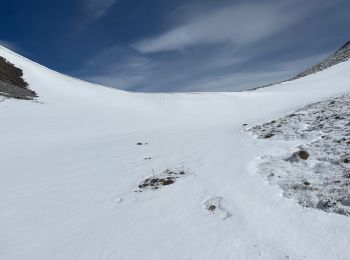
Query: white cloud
pixel 96 9
pixel 237 47
pixel 239 25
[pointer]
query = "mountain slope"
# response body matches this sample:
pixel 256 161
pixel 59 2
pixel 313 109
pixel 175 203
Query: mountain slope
pixel 71 167
pixel 341 55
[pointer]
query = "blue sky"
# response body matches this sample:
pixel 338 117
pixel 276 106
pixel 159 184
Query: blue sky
pixel 176 45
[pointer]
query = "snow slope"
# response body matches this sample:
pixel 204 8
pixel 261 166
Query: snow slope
pixel 341 55
pixel 69 168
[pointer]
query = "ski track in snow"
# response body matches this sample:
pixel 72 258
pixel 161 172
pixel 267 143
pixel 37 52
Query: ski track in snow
pixel 69 167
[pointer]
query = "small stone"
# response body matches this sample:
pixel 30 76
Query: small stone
pixel 302 154
pixel 325 204
pixel 167 181
pixel 269 135
pixel 211 208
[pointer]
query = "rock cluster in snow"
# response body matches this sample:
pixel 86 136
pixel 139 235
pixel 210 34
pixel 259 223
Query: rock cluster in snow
pixel 11 82
pixel 316 172
pixel 165 178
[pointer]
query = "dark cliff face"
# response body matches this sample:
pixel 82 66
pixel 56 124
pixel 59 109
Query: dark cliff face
pixel 11 74
pixel 12 85
pixel 341 55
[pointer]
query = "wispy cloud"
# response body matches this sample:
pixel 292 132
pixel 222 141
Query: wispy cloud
pixel 217 70
pixel 238 24
pixel 244 80
pixel 117 67
pixel 230 48
pixel 96 9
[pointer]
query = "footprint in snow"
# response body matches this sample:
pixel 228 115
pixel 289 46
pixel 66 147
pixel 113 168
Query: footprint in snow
pixel 214 206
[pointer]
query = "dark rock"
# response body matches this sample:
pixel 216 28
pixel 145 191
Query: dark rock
pixel 302 154
pixel 211 207
pixel 268 135
pixel 325 204
pixel 165 178
pixel 167 181
pixel 12 85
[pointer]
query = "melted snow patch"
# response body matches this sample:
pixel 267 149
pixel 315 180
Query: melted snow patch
pixel 317 171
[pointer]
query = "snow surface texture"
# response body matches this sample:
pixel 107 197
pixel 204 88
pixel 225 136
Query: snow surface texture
pixel 316 172
pixel 70 165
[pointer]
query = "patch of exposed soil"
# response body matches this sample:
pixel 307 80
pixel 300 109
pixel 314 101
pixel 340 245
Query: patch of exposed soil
pixel 167 177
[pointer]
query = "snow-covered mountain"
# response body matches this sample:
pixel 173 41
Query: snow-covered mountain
pixel 89 172
pixel 341 55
